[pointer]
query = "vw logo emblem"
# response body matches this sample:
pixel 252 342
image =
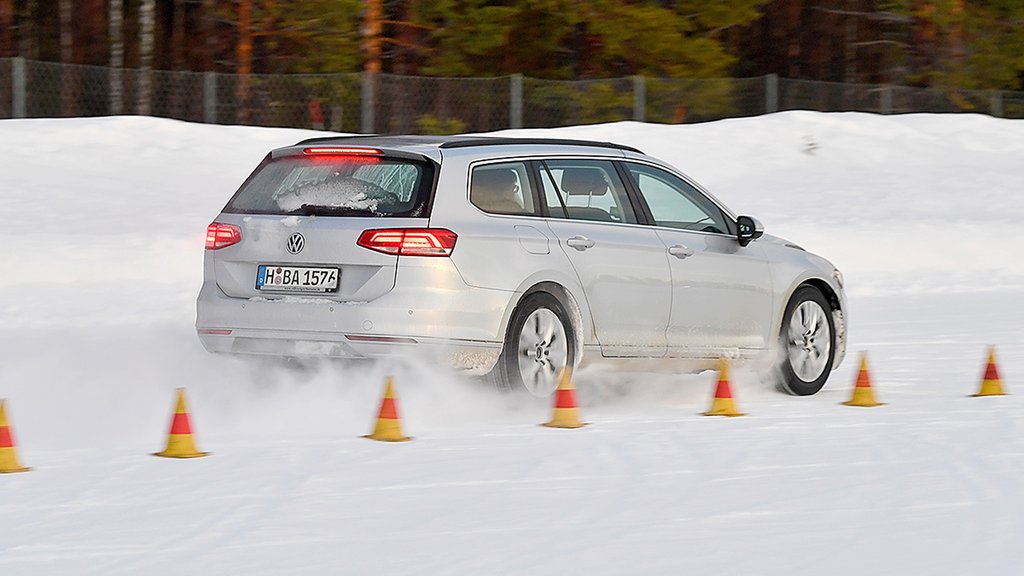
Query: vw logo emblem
pixel 296 243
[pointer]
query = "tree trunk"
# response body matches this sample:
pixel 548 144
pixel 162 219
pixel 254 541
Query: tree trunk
pixel 115 20
pixel 28 43
pixel 372 28
pixel 209 36
pixel 243 59
pixel 793 11
pixel 178 60
pixel 146 23
pixel 850 58
pixel 924 37
pixel 178 36
pixel 6 28
pixel 90 22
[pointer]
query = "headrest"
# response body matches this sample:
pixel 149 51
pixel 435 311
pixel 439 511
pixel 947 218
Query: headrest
pixel 494 180
pixel 584 182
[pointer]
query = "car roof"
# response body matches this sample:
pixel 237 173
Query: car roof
pixel 449 142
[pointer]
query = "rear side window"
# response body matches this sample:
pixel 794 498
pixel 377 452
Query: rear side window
pixel 502 189
pixel 337 186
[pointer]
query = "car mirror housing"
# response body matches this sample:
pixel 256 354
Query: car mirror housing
pixel 748 229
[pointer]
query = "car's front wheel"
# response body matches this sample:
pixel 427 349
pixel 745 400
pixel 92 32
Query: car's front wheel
pixel 807 343
pixel 539 344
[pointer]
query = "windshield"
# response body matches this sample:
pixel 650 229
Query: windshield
pixel 336 186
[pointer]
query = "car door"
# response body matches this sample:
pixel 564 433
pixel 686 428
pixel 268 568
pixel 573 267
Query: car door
pixel 721 292
pixel 621 264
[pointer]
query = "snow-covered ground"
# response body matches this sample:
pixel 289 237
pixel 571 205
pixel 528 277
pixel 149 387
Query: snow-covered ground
pixel 102 232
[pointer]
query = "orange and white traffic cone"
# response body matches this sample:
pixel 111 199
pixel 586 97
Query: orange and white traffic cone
pixel 180 443
pixel 566 413
pixel 8 453
pixel 991 385
pixel 723 404
pixel 389 425
pixel 863 393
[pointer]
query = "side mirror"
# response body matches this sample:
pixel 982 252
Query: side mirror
pixel 749 229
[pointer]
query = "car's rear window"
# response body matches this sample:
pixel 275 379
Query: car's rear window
pixel 337 186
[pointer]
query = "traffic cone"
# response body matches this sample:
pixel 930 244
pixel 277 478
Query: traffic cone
pixel 8 452
pixel 389 425
pixel 723 404
pixel 180 443
pixel 991 385
pixel 863 393
pixel 566 413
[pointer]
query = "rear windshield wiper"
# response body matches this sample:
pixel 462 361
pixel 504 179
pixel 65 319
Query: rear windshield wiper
pixel 319 210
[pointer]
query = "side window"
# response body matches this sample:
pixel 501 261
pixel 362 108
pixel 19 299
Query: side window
pixel 674 203
pixel 502 189
pixel 587 189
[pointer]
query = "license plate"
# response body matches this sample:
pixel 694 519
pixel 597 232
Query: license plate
pixel 296 279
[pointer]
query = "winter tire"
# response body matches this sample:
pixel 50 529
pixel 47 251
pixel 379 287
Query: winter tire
pixel 807 343
pixel 539 343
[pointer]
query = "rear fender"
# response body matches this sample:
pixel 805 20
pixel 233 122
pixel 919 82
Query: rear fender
pixel 570 294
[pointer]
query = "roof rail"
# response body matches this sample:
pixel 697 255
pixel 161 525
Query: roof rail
pixel 465 141
pixel 499 141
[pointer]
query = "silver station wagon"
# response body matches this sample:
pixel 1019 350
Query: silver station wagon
pixel 509 257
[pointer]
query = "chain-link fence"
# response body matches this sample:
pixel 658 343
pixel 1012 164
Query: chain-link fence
pixel 430 105
pixel 392 104
pixel 6 89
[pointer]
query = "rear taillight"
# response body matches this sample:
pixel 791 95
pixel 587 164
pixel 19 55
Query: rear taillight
pixel 410 241
pixel 222 235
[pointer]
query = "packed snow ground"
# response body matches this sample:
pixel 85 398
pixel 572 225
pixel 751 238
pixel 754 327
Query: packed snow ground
pixel 103 223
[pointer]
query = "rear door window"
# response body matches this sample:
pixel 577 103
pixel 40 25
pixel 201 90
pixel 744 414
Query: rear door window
pixel 585 190
pixel 337 186
pixel 502 189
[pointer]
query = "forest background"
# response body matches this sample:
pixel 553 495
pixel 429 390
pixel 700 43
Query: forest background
pixel 971 44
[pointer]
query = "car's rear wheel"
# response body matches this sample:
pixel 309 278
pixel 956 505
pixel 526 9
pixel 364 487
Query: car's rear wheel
pixel 539 344
pixel 807 343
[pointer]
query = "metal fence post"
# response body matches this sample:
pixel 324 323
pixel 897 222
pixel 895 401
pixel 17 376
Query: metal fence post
pixel 116 82
pixel 210 97
pixel 515 101
pixel 18 87
pixel 885 101
pixel 996 106
pixel 368 101
pixel 639 98
pixel 771 93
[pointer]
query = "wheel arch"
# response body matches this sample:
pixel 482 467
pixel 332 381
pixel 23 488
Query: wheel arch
pixel 826 290
pixel 578 315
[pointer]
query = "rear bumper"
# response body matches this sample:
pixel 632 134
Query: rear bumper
pixel 468 355
pixel 430 312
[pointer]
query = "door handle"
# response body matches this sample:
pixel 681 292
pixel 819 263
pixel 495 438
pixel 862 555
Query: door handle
pixel 680 251
pixel 580 243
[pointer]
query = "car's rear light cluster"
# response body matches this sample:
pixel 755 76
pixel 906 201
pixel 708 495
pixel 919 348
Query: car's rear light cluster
pixel 222 235
pixel 409 241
